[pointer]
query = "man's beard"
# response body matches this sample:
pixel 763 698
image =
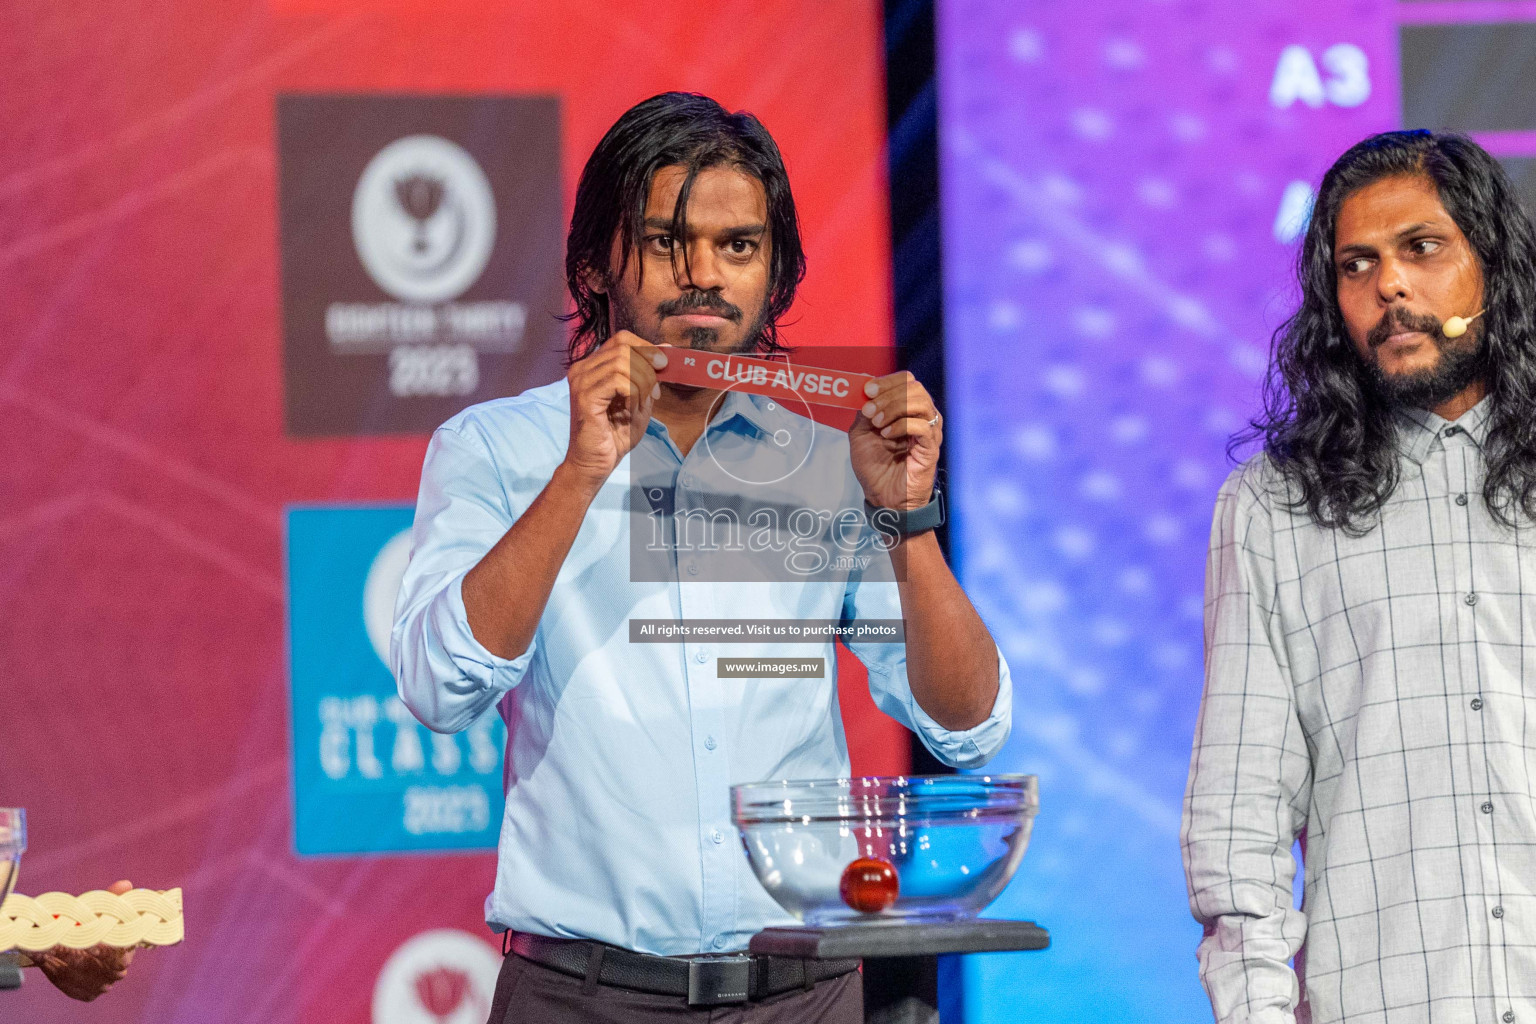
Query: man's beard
pixel 708 338
pixel 702 338
pixel 1461 363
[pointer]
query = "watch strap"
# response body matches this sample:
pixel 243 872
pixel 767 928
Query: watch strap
pixel 904 524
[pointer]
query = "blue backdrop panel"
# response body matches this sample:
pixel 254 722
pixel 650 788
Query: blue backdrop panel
pixel 367 777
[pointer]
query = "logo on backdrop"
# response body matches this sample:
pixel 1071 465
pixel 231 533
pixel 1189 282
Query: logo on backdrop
pixel 367 777
pixel 422 256
pixel 424 222
pixel 443 976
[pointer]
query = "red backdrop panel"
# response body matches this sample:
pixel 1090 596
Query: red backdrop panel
pixel 144 471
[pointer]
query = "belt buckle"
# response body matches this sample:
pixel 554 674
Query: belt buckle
pixel 713 981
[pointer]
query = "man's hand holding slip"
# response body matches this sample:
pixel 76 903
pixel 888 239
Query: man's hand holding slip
pixel 613 392
pixel 951 658
pixel 894 443
pixel 84 974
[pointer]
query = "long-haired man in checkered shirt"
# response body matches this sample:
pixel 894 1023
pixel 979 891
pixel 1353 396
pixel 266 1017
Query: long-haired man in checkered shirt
pixel 1370 620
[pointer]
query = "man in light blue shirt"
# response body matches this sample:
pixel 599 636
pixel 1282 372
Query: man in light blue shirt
pixel 550 521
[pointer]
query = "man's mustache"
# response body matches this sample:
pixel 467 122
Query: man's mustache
pixel 700 302
pixel 1397 320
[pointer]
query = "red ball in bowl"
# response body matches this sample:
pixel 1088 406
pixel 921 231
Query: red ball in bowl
pixel 869 885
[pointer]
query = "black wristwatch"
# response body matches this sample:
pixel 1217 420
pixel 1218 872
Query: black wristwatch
pixel 899 525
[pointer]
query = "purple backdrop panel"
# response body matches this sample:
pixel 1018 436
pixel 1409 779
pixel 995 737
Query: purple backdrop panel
pixel 1123 185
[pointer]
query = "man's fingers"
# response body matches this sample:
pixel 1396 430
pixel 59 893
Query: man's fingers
pixel 630 384
pixel 914 427
pixel 624 372
pixel 615 389
pixel 890 382
pixel 628 340
pixel 621 349
pixel 896 396
pixel 889 408
pixel 897 382
pixel 642 370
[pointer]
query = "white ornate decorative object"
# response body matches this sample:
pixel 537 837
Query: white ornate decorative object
pixel 140 917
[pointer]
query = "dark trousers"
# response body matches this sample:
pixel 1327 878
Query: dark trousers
pixel 528 993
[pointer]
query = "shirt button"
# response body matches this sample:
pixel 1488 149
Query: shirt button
pixel 1452 431
pixel 1477 703
pixel 1497 911
pixel 719 837
pixel 1509 1017
pixel 709 743
pixel 719 943
pixel 701 656
pixel 693 568
pixel 1487 807
pixel 1470 599
pixel 1461 499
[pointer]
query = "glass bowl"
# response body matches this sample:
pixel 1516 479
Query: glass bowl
pixel 13 841
pixel 922 847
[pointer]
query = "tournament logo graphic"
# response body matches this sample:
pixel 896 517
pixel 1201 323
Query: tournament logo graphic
pixel 422 246
pixel 367 777
pixel 443 976
pixel 380 588
pixel 423 219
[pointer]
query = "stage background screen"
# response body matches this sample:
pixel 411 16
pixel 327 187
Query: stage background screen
pixel 196 541
pixel 1123 186
pixel 197 557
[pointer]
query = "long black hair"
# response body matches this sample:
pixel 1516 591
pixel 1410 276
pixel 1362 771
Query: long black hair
pixel 1324 425
pixel 696 133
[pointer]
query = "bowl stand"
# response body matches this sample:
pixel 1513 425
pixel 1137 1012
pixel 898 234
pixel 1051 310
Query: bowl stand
pixel 901 976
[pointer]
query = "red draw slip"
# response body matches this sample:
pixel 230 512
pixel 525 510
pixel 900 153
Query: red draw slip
pixel 774 378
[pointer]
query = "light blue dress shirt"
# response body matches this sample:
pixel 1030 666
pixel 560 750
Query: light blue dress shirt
pixel 620 756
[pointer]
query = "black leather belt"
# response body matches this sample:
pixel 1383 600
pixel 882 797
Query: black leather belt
pixel 704 980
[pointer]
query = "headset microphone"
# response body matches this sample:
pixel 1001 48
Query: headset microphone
pixel 1456 326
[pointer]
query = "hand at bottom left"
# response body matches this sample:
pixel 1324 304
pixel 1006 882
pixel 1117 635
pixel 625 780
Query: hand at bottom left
pixel 85 974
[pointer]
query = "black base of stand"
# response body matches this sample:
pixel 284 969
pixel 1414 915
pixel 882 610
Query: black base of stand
pixel 837 942
pixel 901 975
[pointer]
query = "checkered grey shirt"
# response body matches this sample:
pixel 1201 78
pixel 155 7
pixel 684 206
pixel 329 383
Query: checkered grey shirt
pixel 1365 694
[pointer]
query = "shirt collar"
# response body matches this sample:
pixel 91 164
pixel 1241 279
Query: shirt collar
pixel 1418 428
pixel 762 413
pixel 755 413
